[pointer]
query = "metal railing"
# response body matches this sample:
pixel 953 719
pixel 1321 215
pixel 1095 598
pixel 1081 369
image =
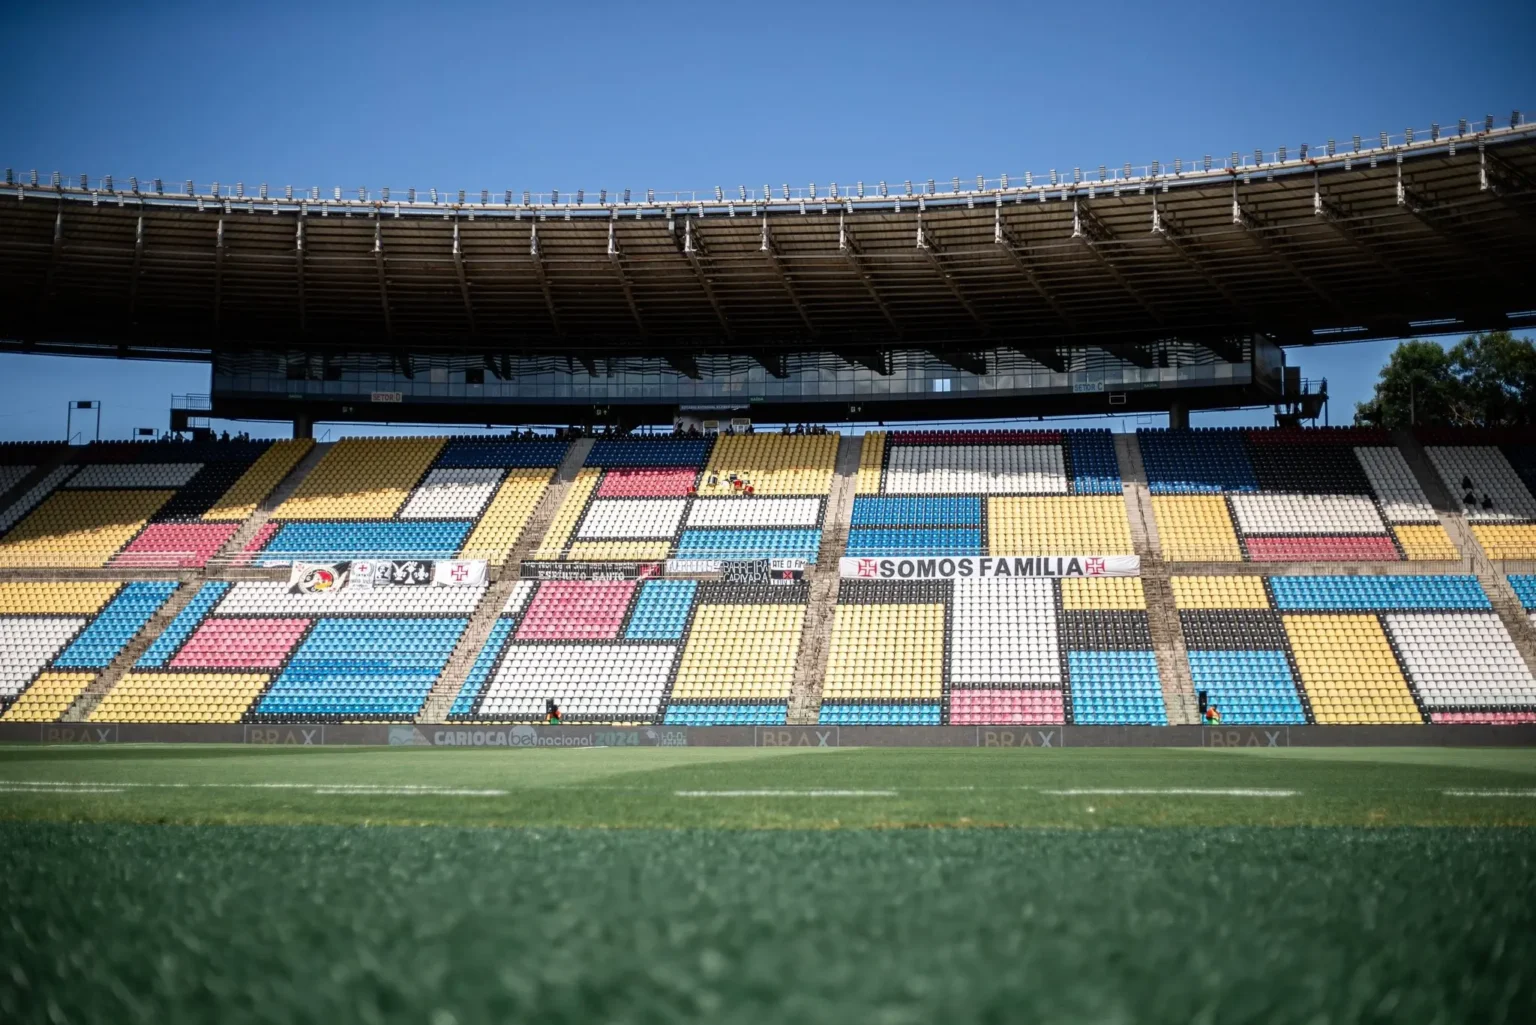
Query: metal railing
pixel 1280 160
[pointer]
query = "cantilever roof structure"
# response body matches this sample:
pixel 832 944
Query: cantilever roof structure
pixel 1410 236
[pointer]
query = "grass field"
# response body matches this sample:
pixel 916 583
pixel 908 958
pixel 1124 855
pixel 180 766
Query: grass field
pixel 167 884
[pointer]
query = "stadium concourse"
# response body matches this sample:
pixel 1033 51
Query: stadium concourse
pixel 1317 576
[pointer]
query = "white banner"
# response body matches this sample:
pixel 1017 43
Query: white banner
pixel 318 577
pixel 460 573
pixel 948 567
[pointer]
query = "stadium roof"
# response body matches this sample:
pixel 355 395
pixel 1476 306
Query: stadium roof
pixel 1421 234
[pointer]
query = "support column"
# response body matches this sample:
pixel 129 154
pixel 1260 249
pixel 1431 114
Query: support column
pixel 1178 416
pixel 303 426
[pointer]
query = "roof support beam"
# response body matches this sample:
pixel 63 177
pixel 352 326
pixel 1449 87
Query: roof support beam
pixel 1261 233
pixel 55 257
pixel 218 279
pixel 1166 229
pixel 1052 358
pixel 540 272
pixel 378 264
pixel 138 261
pixel 298 264
pixel 1004 240
pixel 931 249
pixel 1339 220
pixel 1137 355
pixel 970 362
pixel 776 363
pixel 1503 179
pixel 402 362
pixel 587 363
pixel 849 247
pixel 1444 223
pixel 878 360
pixel 616 257
pixel 777 263
pixel 1229 349
pixel 684 364
pixel 458 266
pixel 694 250
pixel 1092 233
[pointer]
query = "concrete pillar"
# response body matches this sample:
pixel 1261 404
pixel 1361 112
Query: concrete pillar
pixel 1178 416
pixel 303 426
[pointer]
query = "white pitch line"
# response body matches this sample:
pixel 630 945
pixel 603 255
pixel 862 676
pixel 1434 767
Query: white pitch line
pixel 407 792
pixel 7 789
pixel 1170 792
pixel 1489 793
pixel 785 793
pixel 329 789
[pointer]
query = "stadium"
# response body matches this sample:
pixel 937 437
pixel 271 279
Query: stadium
pixel 743 625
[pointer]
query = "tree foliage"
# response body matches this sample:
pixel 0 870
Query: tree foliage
pixel 1485 380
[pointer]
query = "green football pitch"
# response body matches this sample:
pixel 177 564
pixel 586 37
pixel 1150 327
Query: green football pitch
pixel 443 887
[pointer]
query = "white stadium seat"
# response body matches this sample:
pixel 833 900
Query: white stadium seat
pixel 1306 514
pixel 1491 475
pixel 28 643
pixel 134 475
pixel 755 512
pixel 618 681
pixel 632 518
pixel 1467 659
pixel 1402 500
pixel 453 494
pixel 271 597
pixel 1004 633
pixel 975 469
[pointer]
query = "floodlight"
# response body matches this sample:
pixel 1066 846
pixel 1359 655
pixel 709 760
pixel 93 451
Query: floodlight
pixel 626 196
pixel 1053 176
pixel 34 177
pixel 581 196
pixel 362 194
pixel 133 185
pixel 106 183
pixel 650 195
pixel 860 188
pixel 1029 179
pixel 1488 123
pixel 1235 160
pixel 160 189
pixel 1178 165
pixel 1207 162
pixel 1514 119
pixel 954 184
pixel 506 198
pixel 884 191
pixel 1003 182
pixel 834 190
pixel 767 192
pixel 909 186
pixel 461 197
pixel 981 184
pixel 932 188
pixel 813 190
pixel 314 192
pixel 602 197
pixel 1126 170
pixel 261 190
pixel 527 198
pixel 55 180
pixel 1384 142
pixel 784 187
pixel 84 182
pixel 1331 147
pixel 742 191
pixel 1157 168
pixel 1280 155
pixel 719 194
pixel 1434 131
pixel 287 190
pixel 1461 126
pixel 1303 154
pixel 554 195
pixel 1258 158
pixel 1356 140
pixel 10 176
pixel 1077 175
pixel 1408 136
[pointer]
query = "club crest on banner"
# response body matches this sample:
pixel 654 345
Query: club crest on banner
pixel 318 578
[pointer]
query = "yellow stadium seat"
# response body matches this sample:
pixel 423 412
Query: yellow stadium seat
pixel 180 697
pixel 507 516
pixel 49 697
pixel 1219 592
pixel 266 473
pixel 871 463
pixel 1103 593
pixel 1506 540
pixel 1349 671
pixel 885 653
pixel 56 597
pixel 740 652
pixel 775 464
pixel 361 479
pixel 1195 528
pixel 1058 525
pixel 79 528
pixel 623 551
pixel 1425 542
pixel 569 514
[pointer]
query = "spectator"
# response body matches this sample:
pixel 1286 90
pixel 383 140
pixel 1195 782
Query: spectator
pixel 1212 715
pixel 551 712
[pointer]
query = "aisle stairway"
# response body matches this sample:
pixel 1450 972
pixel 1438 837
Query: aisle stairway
pixel 1500 594
pixel 815 639
pixel 435 709
pixel 86 703
pixel 1162 618
pixel 230 554
pixel 549 505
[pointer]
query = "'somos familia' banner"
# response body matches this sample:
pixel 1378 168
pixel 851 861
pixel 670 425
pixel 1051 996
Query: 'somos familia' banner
pixel 947 567
pixel 318 577
pixel 590 570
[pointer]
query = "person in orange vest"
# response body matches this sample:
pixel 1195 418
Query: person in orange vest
pixel 551 713
pixel 1212 715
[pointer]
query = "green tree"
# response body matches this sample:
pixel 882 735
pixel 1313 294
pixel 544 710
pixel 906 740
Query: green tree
pixel 1486 379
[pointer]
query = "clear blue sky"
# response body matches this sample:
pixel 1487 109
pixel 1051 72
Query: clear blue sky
pixel 687 96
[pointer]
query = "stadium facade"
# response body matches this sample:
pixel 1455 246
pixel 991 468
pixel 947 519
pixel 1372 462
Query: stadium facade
pixel 1094 290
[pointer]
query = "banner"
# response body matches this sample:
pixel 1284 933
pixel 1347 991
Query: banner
pixel 459 573
pixel 318 577
pixel 589 570
pixel 744 571
pixel 948 567
pixel 785 571
pixel 370 573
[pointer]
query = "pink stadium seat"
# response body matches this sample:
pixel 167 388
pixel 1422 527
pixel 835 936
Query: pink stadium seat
pixel 648 482
pixel 576 610
pixel 176 544
pixel 1005 707
pixel 240 643
pixel 1489 718
pixel 1322 549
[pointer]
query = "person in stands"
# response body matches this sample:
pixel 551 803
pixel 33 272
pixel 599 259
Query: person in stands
pixel 1212 715
pixel 551 712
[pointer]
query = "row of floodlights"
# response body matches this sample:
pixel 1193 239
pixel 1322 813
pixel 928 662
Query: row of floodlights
pixel 237 191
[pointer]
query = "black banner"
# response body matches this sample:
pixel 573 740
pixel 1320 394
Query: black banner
pixel 590 570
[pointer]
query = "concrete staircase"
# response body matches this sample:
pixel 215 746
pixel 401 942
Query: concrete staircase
pixel 816 635
pixel 549 505
pixel 86 703
pixel 280 494
pixel 1162 616
pixel 1500 595
pixel 440 701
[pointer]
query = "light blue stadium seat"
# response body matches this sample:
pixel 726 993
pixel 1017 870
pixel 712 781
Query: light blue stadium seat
pixel 662 610
pixel 1115 688
pixel 1377 593
pixel 1248 687
pixel 116 625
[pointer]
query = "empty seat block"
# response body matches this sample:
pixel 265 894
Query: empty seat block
pixel 179 697
pixel 48 698
pixel 1115 688
pixel 1461 660
pixel 240 644
pixel 1349 671
pixel 117 624
pixel 649 482
pixel 1004 633
pixel 1103 593
pixel 975 469
pixel 361 479
pixel 1378 593
pixel 1006 707
pixel 1248 687
pixel 576 610
pixel 740 653
pixel 885 652
pixel 1086 525
pixel 1195 528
